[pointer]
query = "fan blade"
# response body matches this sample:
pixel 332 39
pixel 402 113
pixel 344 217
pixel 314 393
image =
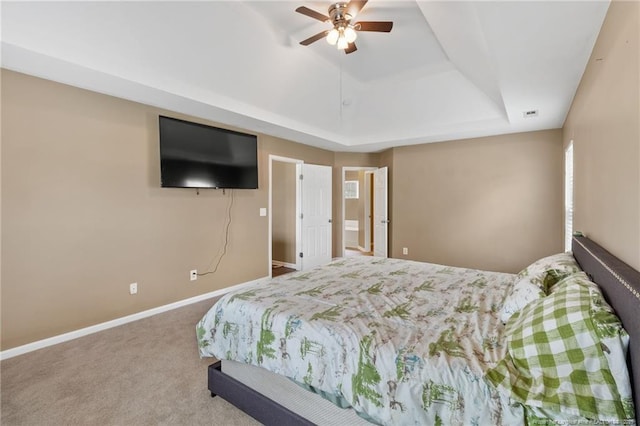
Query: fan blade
pixel 350 48
pixel 379 26
pixel 312 14
pixel 355 6
pixel 314 38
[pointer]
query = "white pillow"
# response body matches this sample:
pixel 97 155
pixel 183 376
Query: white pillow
pixel 547 271
pixel 536 280
pixel 522 293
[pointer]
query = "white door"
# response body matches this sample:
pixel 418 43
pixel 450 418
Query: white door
pixel 316 215
pixel 380 212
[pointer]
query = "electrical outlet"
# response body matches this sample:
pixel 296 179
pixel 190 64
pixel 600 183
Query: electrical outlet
pixel 405 250
pixel 193 275
pixel 133 288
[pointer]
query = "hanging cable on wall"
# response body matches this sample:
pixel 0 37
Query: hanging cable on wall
pixel 226 239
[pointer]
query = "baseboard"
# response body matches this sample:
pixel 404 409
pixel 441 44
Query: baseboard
pixel 30 347
pixel 285 264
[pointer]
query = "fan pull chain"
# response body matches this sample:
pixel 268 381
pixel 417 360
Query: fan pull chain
pixel 341 99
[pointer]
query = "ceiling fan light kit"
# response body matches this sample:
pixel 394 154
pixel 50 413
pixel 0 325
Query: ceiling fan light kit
pixel 341 37
pixel 344 33
pixel 333 36
pixel 350 34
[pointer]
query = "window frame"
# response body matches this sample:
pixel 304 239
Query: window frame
pixel 568 195
pixel 351 189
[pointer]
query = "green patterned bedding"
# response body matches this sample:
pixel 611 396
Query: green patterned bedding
pixel 403 342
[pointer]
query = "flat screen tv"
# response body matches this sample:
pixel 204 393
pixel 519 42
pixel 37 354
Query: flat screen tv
pixel 193 155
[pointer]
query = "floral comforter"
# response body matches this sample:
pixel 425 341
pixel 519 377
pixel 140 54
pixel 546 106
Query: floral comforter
pixel 402 342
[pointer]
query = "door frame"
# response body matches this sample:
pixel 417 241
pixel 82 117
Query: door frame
pixel 345 169
pixel 298 241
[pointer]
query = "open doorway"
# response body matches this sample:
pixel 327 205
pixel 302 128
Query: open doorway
pixel 357 211
pixel 299 241
pixel 284 207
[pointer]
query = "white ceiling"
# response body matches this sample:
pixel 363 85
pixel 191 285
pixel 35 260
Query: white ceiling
pixel 448 70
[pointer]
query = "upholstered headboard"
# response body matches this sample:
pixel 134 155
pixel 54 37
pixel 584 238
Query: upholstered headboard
pixel 620 284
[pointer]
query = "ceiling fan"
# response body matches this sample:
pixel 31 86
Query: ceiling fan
pixel 344 32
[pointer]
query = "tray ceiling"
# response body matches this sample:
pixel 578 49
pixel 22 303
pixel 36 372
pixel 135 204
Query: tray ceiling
pixel 448 70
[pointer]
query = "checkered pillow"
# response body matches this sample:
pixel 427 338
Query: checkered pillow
pixel 582 279
pixel 566 353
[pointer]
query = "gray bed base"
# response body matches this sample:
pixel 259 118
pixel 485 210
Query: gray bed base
pixel 620 285
pixel 251 401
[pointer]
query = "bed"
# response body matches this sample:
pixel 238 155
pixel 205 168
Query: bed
pixel 401 342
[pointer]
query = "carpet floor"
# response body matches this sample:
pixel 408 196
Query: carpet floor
pixel 147 372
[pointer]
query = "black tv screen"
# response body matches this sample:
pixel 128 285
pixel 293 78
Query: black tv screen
pixel 193 155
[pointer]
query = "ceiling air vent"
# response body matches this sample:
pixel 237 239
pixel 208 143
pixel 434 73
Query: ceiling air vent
pixel 530 113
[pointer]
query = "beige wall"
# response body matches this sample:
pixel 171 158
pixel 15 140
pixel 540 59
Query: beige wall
pixel 488 203
pixel 283 212
pixel 351 204
pixel 83 214
pixel 604 124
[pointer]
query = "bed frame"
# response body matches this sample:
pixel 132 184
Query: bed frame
pixel 620 285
